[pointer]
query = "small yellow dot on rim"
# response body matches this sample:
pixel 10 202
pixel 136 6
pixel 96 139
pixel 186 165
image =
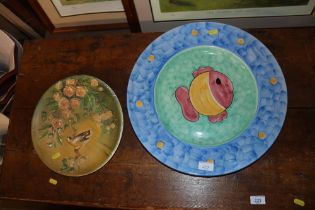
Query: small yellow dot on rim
pixel 139 104
pixel 160 144
pixel 53 181
pixel 213 32
pixel 261 135
pixel 273 80
pixel 210 161
pixel 151 58
pixel 55 156
pixel 299 202
pixel 194 32
pixel 240 41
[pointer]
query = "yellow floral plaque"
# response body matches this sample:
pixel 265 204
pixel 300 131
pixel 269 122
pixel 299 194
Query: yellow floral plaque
pixel 80 119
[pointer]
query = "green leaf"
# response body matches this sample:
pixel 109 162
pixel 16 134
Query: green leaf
pixel 88 103
pixel 84 80
pixel 50 100
pixel 78 117
pixel 93 102
pixel 44 115
pixel 64 161
pixel 64 164
pixel 85 102
pixel 98 109
pixel 44 134
pixel 52 105
pixel 45 126
pixel 93 92
pixel 59 139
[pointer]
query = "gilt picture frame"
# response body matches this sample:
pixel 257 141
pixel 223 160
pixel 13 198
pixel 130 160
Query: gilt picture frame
pixel 170 10
pixel 78 7
pixel 106 20
pixel 149 23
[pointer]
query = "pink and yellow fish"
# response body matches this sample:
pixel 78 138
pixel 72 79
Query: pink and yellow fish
pixel 210 93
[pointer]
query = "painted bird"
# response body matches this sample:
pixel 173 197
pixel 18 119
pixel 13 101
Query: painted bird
pixel 79 140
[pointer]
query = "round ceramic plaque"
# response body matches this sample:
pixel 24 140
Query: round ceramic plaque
pixel 77 125
pixel 207 99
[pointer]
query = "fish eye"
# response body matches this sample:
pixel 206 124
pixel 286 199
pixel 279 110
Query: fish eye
pixel 218 81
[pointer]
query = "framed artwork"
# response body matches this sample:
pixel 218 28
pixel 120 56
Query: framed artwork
pixel 79 7
pixel 162 15
pixel 165 10
pixel 86 15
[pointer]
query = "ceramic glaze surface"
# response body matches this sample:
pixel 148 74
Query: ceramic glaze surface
pixel 254 62
pixel 77 125
pixel 178 72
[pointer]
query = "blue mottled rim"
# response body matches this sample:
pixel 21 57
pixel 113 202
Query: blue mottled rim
pixel 238 153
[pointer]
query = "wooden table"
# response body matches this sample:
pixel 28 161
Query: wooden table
pixel 133 178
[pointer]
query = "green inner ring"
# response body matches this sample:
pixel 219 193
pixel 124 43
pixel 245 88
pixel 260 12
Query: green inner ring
pixel 178 72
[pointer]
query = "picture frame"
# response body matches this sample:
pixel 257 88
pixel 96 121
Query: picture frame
pixel 170 10
pixel 249 19
pixel 78 7
pixel 110 20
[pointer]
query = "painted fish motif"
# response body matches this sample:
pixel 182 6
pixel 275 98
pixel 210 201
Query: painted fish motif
pixel 210 93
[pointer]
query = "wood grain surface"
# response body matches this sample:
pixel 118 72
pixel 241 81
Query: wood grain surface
pixel 133 179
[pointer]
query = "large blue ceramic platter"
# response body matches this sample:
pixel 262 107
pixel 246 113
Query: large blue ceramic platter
pixel 207 99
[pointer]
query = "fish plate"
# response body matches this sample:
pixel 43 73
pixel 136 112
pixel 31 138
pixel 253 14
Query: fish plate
pixel 207 99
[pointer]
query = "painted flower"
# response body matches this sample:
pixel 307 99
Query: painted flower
pixel 106 115
pixel 69 91
pixel 63 103
pixel 66 114
pixel 57 123
pixel 97 118
pixel 57 96
pixel 98 125
pixel 80 91
pixel 71 82
pixel 60 131
pixel 50 116
pixel 71 163
pixel 58 85
pixel 94 83
pixel 112 126
pixel 75 103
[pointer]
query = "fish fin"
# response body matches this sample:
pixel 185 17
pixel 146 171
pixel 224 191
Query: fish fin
pixel 218 118
pixel 201 70
pixel 188 110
